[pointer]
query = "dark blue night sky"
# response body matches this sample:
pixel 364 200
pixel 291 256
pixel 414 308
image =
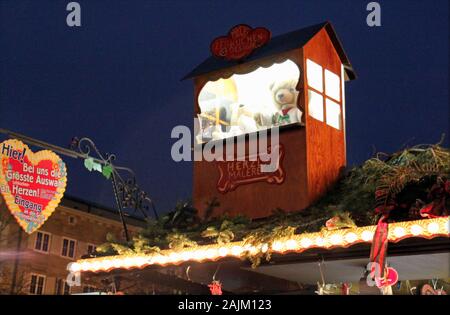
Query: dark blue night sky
pixel 116 78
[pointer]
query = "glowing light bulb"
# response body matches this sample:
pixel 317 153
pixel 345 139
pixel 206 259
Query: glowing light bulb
pixel 433 227
pixel 107 264
pixel 211 253
pixel 416 229
pixel 336 239
pixel 160 260
pixel 264 247
pixel 74 267
pixel 351 237
pixel 399 232
pixel 305 242
pixel 200 254
pixel 223 251
pixel 277 246
pixel 320 241
pixel 174 257
pixel 367 236
pixel 446 228
pixel 96 265
pixel 186 255
pixel 236 250
pixel 291 244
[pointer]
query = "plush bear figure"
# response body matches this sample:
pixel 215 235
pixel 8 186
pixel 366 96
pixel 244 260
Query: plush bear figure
pixel 285 99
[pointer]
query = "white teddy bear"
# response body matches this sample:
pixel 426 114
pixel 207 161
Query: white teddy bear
pixel 285 98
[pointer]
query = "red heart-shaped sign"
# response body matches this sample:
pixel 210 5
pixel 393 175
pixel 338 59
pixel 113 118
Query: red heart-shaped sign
pixel 32 184
pixel 391 278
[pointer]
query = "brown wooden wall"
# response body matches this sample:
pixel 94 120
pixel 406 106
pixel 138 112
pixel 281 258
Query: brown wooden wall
pixel 325 145
pixel 315 154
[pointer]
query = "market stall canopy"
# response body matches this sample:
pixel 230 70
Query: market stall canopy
pixel 277 45
pixel 327 240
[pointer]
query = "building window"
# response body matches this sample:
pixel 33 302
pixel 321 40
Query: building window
pixel 333 114
pixel 315 107
pixel 72 220
pixel 68 248
pixel 62 287
pixel 91 249
pixel 37 283
pixel 314 75
pixel 42 242
pixel 324 104
pixel 89 289
pixel 332 85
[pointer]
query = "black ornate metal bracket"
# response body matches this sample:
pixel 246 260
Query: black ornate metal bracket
pixel 127 192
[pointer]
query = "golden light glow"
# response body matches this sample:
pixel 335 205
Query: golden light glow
pixel 367 235
pixel 427 228
pixel 399 231
pixel 416 229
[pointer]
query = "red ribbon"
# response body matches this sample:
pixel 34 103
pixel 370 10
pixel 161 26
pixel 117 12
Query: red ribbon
pixel 378 250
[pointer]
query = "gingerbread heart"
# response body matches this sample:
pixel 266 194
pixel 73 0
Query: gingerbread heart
pixel 32 184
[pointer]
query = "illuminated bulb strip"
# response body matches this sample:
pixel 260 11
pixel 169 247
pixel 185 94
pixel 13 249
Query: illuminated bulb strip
pixel 427 228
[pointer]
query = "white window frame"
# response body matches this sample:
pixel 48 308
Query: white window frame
pixel 37 275
pixel 42 242
pixel 68 247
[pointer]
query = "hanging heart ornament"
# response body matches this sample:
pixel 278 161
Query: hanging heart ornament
pixel 32 184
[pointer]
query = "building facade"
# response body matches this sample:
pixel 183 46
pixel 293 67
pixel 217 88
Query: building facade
pixel 37 263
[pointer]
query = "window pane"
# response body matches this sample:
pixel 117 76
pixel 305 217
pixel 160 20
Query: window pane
pixel 33 284
pixel 58 286
pixel 315 105
pixel 71 249
pixel 38 243
pixel 40 285
pixel 64 248
pixel 66 288
pixel 332 85
pixel 314 75
pixel 333 114
pixel 45 243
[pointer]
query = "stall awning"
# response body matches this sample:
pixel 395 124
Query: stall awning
pixel 277 45
pixel 427 228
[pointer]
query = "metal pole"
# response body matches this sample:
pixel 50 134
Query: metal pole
pixel 16 262
pixel 119 206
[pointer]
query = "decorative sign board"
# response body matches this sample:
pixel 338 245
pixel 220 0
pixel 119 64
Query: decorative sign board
pixel 240 42
pixel 32 184
pixel 235 173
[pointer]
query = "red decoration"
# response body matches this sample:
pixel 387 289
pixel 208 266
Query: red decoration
pixel 235 173
pixel 215 287
pixel 32 184
pixel 379 246
pixel 390 278
pixel 240 42
pixel 428 290
pixel 345 289
pixel 439 193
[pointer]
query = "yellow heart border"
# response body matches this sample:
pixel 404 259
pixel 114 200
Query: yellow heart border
pixel 34 158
